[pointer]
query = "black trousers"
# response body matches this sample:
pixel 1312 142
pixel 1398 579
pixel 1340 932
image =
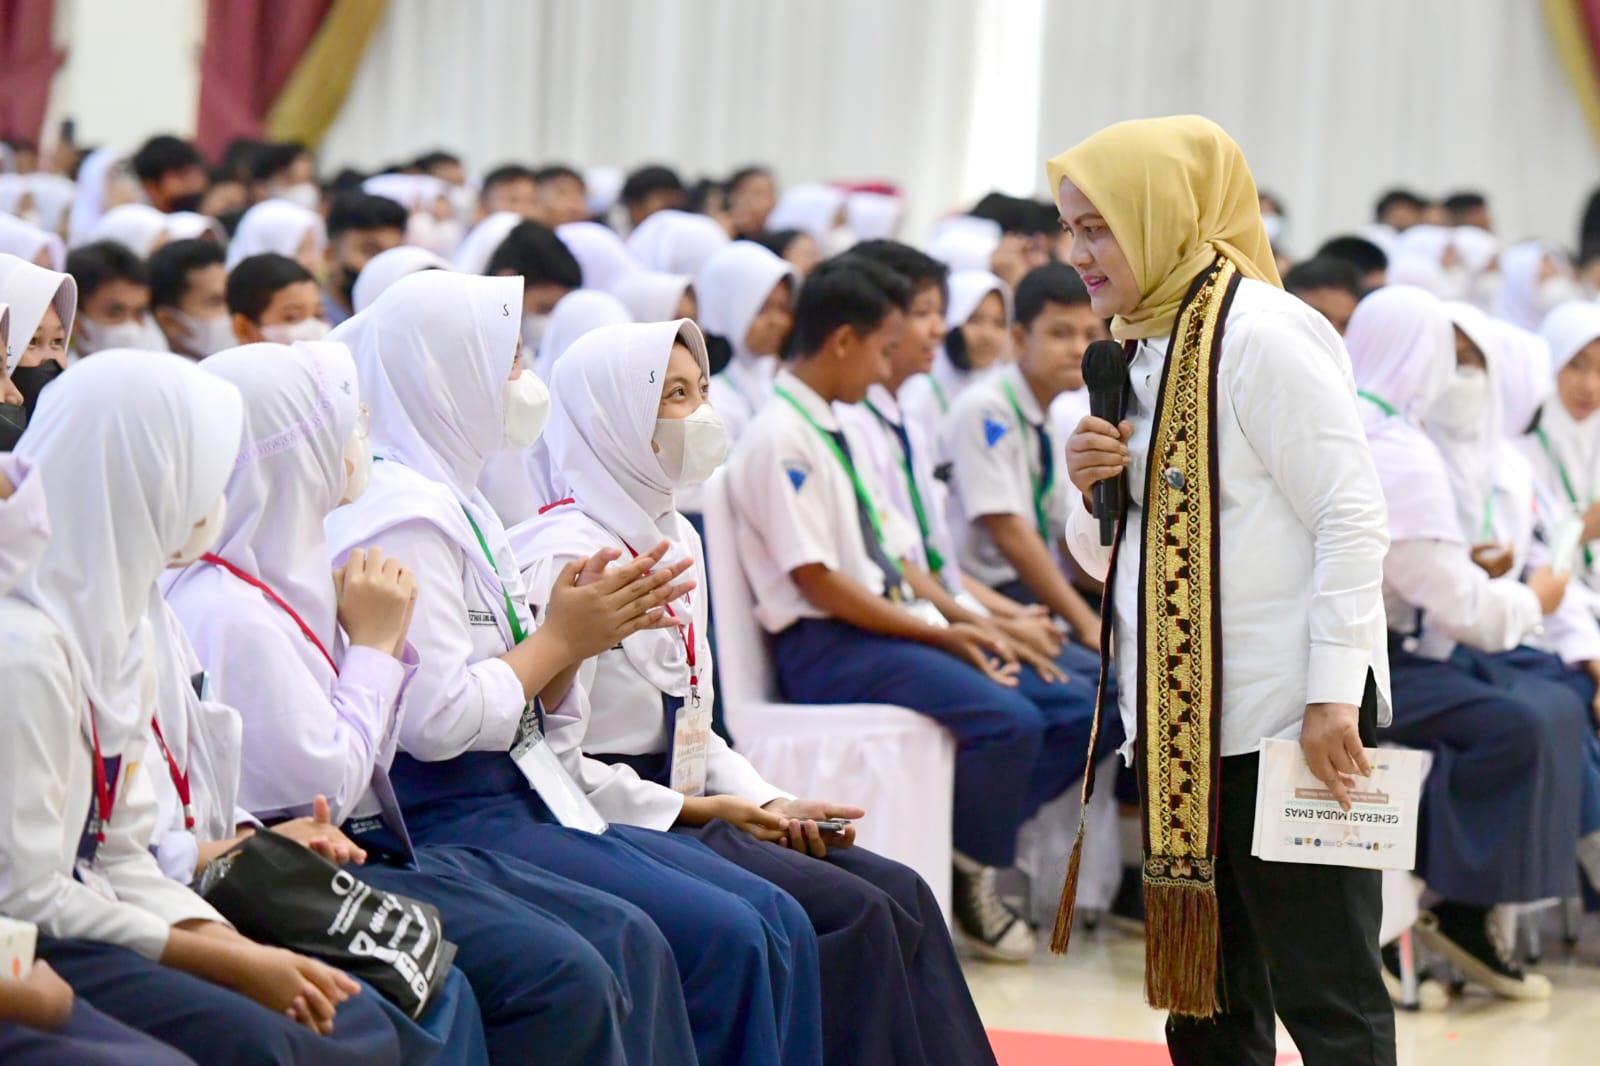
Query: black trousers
pixel 1298 941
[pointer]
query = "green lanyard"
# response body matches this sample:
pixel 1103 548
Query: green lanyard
pixel 1041 488
pixel 844 461
pixel 1382 406
pixel 935 558
pixel 1488 519
pixel 1566 483
pixel 938 392
pixel 518 634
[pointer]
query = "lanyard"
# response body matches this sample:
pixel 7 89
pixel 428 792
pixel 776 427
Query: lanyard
pixel 518 634
pixel 1041 485
pixel 105 789
pixel 844 460
pixel 685 634
pixel 260 586
pixel 1488 519
pixel 935 559
pixel 1381 404
pixel 180 778
pixel 938 392
pixel 1566 483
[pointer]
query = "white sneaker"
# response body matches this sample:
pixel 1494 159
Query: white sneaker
pixel 990 927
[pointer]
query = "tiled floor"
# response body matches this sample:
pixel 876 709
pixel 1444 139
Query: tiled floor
pixel 1094 997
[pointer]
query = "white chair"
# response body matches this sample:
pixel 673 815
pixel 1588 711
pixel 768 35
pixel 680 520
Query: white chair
pixel 1044 846
pixel 895 763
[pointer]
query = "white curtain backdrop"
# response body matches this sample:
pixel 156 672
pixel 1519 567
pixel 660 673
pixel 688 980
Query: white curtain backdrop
pixel 1332 101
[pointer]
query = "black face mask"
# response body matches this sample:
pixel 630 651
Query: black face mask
pixel 955 349
pixel 347 287
pixel 13 420
pixel 31 380
pixel 190 202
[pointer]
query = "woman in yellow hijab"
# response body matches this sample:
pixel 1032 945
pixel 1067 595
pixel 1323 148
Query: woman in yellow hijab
pixel 1255 521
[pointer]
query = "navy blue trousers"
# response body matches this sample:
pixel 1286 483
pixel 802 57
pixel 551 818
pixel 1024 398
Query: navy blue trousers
pixel 88 1039
pixel 211 1024
pixel 1551 668
pixel 892 989
pixel 1501 805
pixel 523 940
pixel 998 731
pixel 745 952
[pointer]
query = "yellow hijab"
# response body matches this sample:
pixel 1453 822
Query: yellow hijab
pixel 1176 193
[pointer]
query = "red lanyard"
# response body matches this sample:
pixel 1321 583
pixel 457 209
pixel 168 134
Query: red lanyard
pixel 685 634
pixel 180 778
pixel 105 790
pixel 217 560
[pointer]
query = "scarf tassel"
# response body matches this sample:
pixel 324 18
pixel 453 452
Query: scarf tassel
pixel 1181 949
pixel 1069 896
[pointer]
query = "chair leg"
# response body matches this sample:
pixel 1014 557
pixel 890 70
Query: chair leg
pixel 1410 996
pixel 1571 914
pixel 1530 925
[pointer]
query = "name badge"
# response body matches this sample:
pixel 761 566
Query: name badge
pixel 481 618
pixel 691 743
pixel 546 776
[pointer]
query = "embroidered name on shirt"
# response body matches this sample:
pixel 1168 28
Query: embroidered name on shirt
pixel 481 618
pixel 993 430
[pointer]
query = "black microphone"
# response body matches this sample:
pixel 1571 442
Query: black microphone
pixel 1105 375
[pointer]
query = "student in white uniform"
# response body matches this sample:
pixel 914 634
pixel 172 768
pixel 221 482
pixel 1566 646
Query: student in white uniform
pixel 1501 807
pixel 282 228
pixel 43 305
pixel 746 296
pixel 158 436
pixel 1250 564
pixel 820 545
pixel 1564 445
pixel 977 324
pixel 631 426
pixel 489 683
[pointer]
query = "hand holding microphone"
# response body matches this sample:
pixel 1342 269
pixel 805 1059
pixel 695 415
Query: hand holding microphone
pixel 1097 451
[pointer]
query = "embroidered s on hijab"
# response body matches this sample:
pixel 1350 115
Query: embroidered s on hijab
pixel 1177 193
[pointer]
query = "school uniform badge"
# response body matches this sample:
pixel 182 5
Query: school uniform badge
pixel 797 473
pixel 993 430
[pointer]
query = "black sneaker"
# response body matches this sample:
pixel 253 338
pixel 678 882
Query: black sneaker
pixel 1431 995
pixel 990 927
pixel 1470 940
pixel 1127 907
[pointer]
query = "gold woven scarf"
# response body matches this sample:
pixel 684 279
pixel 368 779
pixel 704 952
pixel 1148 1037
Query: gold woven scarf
pixel 1179 697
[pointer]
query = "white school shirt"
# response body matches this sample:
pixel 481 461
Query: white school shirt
pixel 1303 524
pixel 996 464
pixel 878 446
pixel 305 731
pixel 47 764
pixel 741 389
pixel 623 715
pixel 794 505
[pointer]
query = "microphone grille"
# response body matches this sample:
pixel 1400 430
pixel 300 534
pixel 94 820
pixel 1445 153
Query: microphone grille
pixel 1105 368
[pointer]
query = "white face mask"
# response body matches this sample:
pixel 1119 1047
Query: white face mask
pixel 140 333
pixel 304 193
pixel 690 449
pixel 307 329
pixel 203 535
pixel 533 327
pixel 1454 284
pixel 206 336
pixel 463 201
pixel 358 464
pixel 1275 228
pixel 1461 406
pixel 527 409
pixel 1486 289
pixel 1555 291
pixel 439 236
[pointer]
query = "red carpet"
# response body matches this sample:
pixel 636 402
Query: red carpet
pixel 1040 1049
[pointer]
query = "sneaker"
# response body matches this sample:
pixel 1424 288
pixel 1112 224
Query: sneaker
pixel 1472 941
pixel 1431 995
pixel 1127 908
pixel 991 928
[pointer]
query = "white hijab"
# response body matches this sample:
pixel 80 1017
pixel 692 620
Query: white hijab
pixel 601 255
pixel 676 242
pixel 1525 378
pixel 89 197
pixel 812 209
pixel 388 267
pixel 53 195
pixel 137 227
pixel 300 407
pixel 651 296
pixel 149 439
pixel 475 252
pixel 30 289
pixel 25 241
pixel 578 312
pixel 733 285
pixel 1402 351
pixel 1472 458
pixel 873 216
pixel 1520 265
pixel 276 226
pixel 414 192
pixel 1574 445
pixel 24 521
pixel 968 289
pixel 608 394
pixel 965 242
pixel 193 226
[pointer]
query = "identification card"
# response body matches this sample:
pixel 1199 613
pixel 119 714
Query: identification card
pixel 691 744
pixel 925 612
pixel 1298 820
pixel 17 943
pixel 547 777
pixel 1564 546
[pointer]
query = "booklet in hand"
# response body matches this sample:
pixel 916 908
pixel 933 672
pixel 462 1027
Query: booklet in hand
pixel 1298 820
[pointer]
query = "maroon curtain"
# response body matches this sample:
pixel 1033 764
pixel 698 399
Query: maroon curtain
pixel 251 48
pixel 28 60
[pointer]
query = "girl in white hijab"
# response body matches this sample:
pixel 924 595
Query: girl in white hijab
pixel 158 438
pixel 972 345
pixel 437 355
pixel 431 221
pixel 816 210
pixel 27 241
pixel 103 183
pixel 746 297
pixel 601 255
pixel 675 242
pixel 53 195
pixel 651 296
pixel 1564 447
pixel 873 216
pixel 1504 791
pixel 388 267
pixel 139 228
pixel 321 709
pixel 517 483
pixel 475 252
pixel 1534 279
pixel 43 304
pixel 283 228
pixel 966 242
pixel 631 427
